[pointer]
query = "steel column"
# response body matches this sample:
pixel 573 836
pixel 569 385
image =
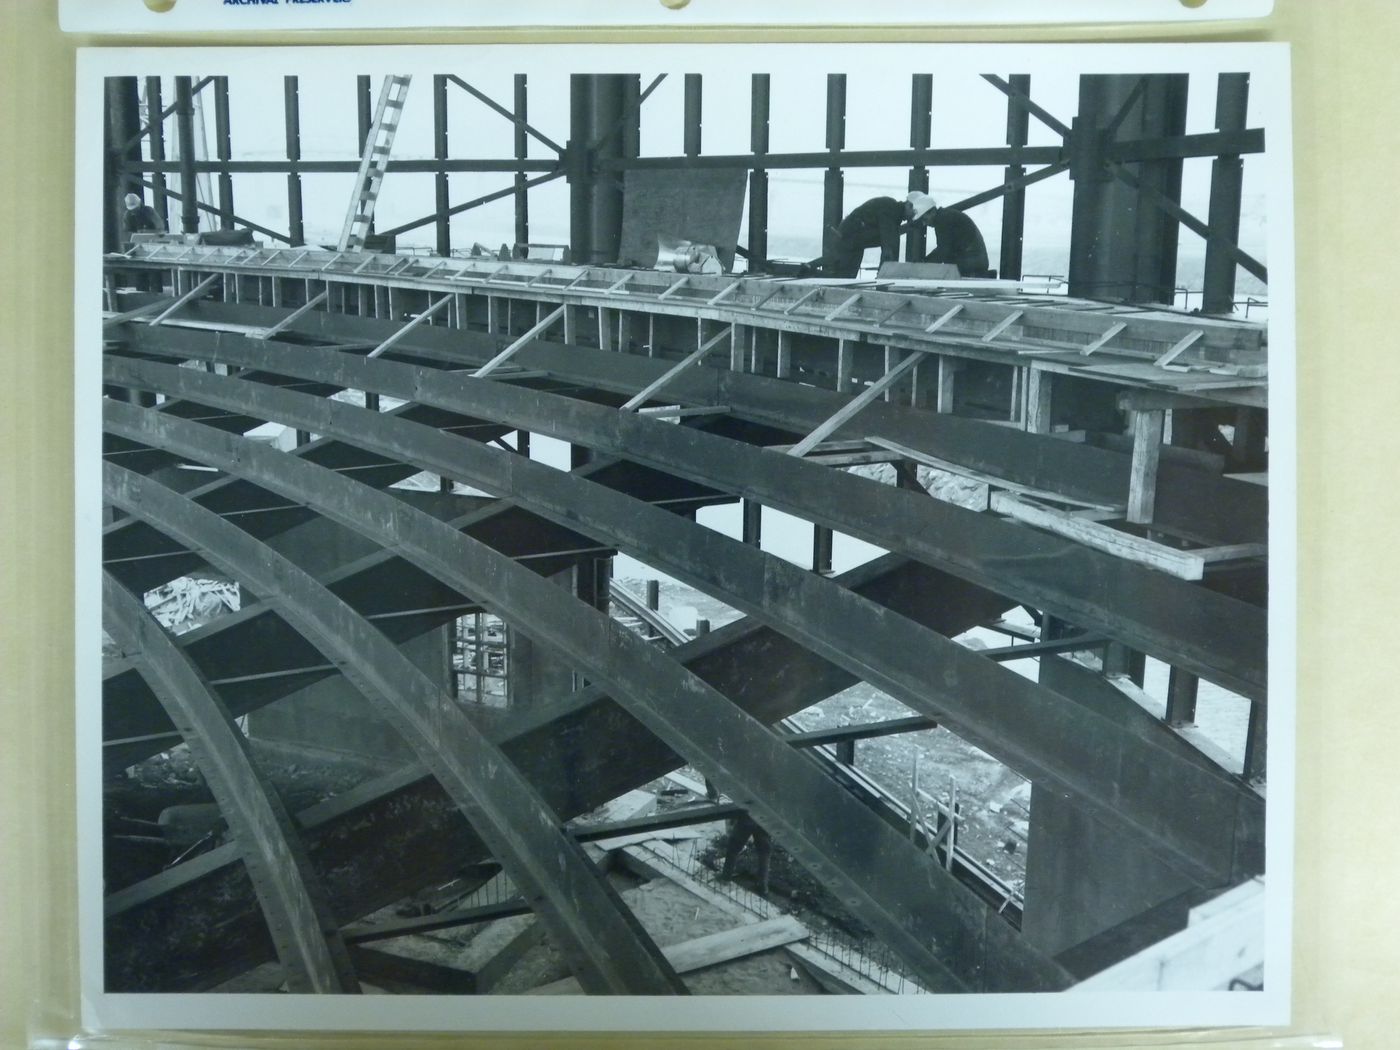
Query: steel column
pixel 443 201
pixel 522 153
pixel 758 177
pixel 1226 187
pixel 291 97
pixel 920 132
pixel 1013 206
pixel 693 114
pixel 184 129
pixel 154 109
pixel 1121 246
pixel 223 148
pixel 833 186
pixel 121 126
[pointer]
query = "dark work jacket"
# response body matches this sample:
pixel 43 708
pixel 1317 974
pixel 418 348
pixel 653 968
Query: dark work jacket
pixel 875 224
pixel 142 220
pixel 959 242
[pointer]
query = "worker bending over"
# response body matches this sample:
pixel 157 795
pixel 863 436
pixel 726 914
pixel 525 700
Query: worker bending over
pixel 959 242
pixel 877 223
pixel 140 218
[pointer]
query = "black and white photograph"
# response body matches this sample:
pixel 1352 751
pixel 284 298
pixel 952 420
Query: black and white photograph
pixel 728 537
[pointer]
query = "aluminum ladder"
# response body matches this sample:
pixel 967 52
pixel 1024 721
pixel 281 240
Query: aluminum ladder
pixel 373 163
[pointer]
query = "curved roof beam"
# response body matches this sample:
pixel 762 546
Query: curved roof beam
pixel 566 747
pixel 304 932
pixel 605 945
pixel 1046 738
pixel 957 944
pixel 1216 637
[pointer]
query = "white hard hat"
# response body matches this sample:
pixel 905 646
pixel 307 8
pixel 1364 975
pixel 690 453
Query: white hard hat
pixel 132 200
pixel 921 202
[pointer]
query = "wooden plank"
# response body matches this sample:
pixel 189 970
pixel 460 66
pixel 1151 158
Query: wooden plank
pixel 851 408
pixel 990 480
pixel 1179 348
pixel 943 319
pixel 1185 565
pixel 650 860
pixel 710 950
pixel 193 293
pixel 1002 325
pixel 1103 340
pixel 948 368
pixel 784 354
pixel 845 305
pixel 680 366
pixel 843 365
pixel 1038 387
pixel 529 337
pixel 1231 552
pixel 1142 475
pixel 605 332
pixel 420 319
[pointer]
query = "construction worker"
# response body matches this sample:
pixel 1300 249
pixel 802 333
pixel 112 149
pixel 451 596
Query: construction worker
pixel 959 242
pixel 140 218
pixel 875 224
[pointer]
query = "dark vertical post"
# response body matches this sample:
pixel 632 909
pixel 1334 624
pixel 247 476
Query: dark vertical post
pixel 443 222
pixel 1122 247
pixel 693 114
pixel 364 108
pixel 291 97
pixel 1013 204
pixel 833 199
pixel 223 147
pixel 758 178
pixel 1226 184
pixel 123 121
pixel 920 137
pixel 846 752
pixel 184 130
pixel 753 522
pixel 821 549
pixel 1122 660
pixel 580 168
pixel 653 594
pixel 1181 697
pixel 614 132
pixel 522 151
pixel 154 108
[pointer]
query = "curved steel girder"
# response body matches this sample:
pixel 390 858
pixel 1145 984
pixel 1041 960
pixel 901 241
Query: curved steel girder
pixel 1046 738
pixel 273 660
pixel 578 750
pixel 1216 637
pixel 308 942
pixel 131 538
pixel 957 944
pixel 604 943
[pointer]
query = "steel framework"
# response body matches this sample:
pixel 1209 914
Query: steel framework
pixel 676 392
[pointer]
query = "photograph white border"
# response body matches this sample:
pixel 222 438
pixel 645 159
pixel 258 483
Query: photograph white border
pixel 135 16
pixel 107 1012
